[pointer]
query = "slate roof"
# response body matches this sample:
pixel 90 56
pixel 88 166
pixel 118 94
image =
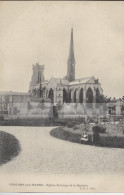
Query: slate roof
pixel 80 81
pixel 60 81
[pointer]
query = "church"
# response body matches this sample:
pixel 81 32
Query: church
pixel 67 89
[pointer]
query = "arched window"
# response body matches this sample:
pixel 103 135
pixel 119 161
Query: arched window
pixel 89 97
pixel 97 96
pixel 70 95
pixel 51 94
pixel 75 98
pixel 81 95
pixel 65 95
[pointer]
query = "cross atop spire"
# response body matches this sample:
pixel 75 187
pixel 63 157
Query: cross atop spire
pixel 71 60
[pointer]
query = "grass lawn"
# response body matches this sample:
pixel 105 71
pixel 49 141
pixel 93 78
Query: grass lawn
pixel 109 139
pixel 9 147
pixel 60 133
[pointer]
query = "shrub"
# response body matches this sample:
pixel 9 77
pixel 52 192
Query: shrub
pixel 9 147
pixel 70 124
pixel 65 135
pixel 112 141
pixel 1 118
pixel 76 127
pixel 104 140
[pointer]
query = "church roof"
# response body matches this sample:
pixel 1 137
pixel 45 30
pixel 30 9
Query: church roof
pixel 59 81
pixel 64 82
pixel 82 81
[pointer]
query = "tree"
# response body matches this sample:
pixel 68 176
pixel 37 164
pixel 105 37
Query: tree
pixel 102 99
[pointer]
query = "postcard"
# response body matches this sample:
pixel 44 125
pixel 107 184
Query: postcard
pixel 61 96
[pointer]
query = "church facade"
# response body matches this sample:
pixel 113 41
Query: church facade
pixel 67 89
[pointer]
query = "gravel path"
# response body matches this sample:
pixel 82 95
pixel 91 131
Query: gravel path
pixel 43 154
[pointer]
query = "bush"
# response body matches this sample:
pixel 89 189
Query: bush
pixel 65 135
pixel 76 127
pixel 9 147
pixel 72 123
pixel 104 140
pixel 69 124
pixel 112 141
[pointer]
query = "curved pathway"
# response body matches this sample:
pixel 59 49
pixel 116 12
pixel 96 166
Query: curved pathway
pixel 44 154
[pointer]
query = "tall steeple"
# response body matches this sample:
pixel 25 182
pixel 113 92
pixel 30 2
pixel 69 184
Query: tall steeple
pixel 71 61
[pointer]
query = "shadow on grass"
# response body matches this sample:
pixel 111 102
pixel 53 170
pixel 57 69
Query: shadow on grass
pixel 9 147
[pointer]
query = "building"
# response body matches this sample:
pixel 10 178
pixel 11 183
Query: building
pixel 37 76
pixel 115 106
pixel 11 97
pixel 67 89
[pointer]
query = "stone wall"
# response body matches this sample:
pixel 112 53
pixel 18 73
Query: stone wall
pixel 30 110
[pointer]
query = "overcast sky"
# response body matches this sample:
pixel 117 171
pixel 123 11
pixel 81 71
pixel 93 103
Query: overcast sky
pixel 40 31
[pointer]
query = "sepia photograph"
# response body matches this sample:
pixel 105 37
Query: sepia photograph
pixel 62 96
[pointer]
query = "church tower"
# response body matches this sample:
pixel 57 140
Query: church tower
pixel 37 76
pixel 71 61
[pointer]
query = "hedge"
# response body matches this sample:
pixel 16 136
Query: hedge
pixel 9 147
pixel 111 141
pixel 65 135
pixel 106 140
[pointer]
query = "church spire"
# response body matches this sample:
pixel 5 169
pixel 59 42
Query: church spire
pixel 71 51
pixel 71 60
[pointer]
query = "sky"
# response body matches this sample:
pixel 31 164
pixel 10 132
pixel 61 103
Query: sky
pixel 39 31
